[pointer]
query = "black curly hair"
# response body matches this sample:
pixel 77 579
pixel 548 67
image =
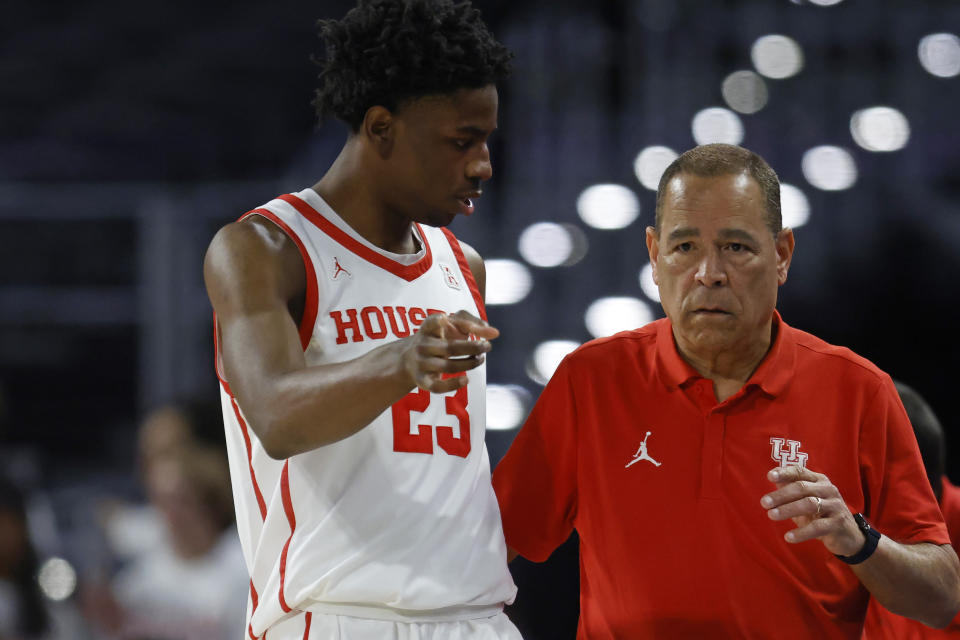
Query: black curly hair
pixel 384 52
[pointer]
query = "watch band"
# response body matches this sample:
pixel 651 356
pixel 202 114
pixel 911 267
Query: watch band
pixel 872 540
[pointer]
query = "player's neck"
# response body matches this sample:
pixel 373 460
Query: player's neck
pixel 346 188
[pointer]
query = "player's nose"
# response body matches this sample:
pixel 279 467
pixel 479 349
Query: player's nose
pixel 480 167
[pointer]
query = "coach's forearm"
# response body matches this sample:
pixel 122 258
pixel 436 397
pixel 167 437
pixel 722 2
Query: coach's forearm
pixel 919 581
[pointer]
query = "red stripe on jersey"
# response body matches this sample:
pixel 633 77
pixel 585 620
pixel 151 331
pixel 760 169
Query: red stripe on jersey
pixel 246 441
pixel 310 304
pixel 407 272
pixel 217 359
pixel 467 273
pixel 308 618
pixel 254 599
pixel 292 519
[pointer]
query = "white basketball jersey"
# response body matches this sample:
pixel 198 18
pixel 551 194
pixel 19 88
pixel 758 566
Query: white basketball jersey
pixel 398 521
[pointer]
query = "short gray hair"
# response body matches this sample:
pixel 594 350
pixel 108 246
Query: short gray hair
pixel 711 160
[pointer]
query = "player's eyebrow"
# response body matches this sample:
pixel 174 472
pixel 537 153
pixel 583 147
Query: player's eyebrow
pixel 475 131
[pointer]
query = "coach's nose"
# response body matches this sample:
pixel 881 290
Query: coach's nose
pixel 710 271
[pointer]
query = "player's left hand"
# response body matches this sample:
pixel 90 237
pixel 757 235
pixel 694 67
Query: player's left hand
pixel 816 507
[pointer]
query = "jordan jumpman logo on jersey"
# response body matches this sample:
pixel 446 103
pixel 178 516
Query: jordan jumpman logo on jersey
pixel 642 454
pixel 339 269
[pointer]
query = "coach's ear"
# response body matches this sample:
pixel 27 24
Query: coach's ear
pixel 653 250
pixel 379 128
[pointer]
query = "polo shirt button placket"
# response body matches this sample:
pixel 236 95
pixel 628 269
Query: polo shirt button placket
pixel 712 454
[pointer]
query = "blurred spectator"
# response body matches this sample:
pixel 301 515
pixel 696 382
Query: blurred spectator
pixel 183 575
pixel 133 528
pixel 24 612
pixel 193 584
pixel 880 623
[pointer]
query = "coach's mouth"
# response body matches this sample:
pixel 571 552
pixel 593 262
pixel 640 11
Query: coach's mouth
pixel 711 311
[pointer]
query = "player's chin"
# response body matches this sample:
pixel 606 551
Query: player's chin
pixel 440 218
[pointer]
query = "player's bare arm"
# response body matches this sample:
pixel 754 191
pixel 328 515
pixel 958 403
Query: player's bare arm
pixel 477 267
pixel 255 280
pixel 919 581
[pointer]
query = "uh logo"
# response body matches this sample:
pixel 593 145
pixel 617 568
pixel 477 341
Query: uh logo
pixel 791 456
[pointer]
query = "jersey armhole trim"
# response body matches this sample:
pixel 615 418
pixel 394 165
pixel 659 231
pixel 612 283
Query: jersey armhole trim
pixel 312 298
pixel 466 271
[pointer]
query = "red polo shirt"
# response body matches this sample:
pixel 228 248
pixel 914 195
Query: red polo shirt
pixel 673 540
pixel 883 625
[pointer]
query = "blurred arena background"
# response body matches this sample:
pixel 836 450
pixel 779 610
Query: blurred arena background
pixel 130 132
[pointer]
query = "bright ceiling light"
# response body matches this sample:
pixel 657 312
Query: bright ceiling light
pixel 651 163
pixel 939 54
pixel 829 168
pixel 794 206
pixel 548 244
pixel 647 285
pixel 880 129
pixel 545 244
pixel 717 124
pixel 608 206
pixel 776 56
pixel 508 281
pixel 607 316
pixel 744 91
pixel 57 579
pixel 506 406
pixel 547 357
pixel 825 3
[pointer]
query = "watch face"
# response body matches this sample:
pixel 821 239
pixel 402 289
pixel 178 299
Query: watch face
pixel 861 522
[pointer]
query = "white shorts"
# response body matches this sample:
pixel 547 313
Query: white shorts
pixel 318 626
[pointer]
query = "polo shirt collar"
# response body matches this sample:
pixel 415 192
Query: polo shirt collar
pixel 772 376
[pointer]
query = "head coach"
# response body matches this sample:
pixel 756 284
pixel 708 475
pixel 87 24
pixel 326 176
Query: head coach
pixel 729 476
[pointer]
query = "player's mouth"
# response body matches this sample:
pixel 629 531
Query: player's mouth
pixel 467 202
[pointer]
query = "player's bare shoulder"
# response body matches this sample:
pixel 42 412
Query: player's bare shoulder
pixel 249 260
pixel 476 266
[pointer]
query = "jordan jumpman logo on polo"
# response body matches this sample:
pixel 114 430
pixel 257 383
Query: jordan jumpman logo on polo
pixel 642 454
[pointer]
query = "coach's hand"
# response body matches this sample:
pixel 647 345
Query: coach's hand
pixel 443 345
pixel 817 508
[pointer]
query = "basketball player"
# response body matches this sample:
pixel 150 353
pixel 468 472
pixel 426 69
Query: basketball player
pixel 351 338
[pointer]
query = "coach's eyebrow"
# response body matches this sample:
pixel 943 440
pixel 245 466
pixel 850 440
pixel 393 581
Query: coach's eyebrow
pixel 737 234
pixel 682 233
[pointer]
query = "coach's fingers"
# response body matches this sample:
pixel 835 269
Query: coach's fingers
pixel 794 484
pixel 814 529
pixel 792 473
pixel 807 506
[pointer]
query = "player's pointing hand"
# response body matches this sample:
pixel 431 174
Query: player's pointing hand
pixel 445 346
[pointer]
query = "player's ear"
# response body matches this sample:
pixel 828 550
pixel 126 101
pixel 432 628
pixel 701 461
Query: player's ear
pixel 379 128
